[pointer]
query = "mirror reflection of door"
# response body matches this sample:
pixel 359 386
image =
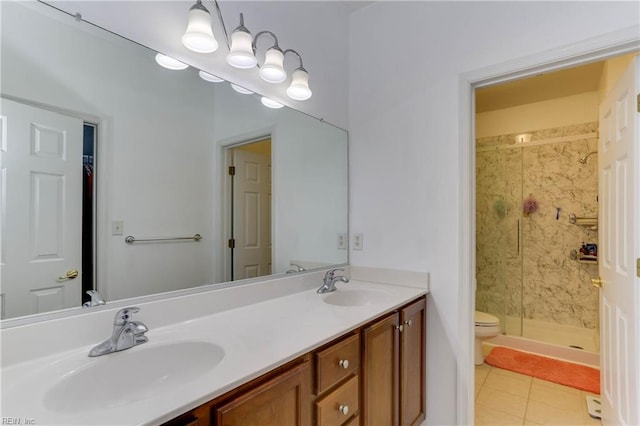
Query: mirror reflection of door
pixel 250 243
pixel 43 173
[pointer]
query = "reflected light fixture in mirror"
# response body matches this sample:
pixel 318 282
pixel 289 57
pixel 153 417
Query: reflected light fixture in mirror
pixel 241 89
pixel 270 103
pixel 169 63
pixel 199 35
pixel 209 77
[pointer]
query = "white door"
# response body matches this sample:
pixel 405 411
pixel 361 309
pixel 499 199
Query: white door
pixel 41 209
pixel 252 215
pixel 619 207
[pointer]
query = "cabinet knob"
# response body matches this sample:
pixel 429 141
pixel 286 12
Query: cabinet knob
pixel 400 328
pixel 344 363
pixel 344 409
pixel 408 323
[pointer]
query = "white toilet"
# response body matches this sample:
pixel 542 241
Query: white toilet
pixel 487 326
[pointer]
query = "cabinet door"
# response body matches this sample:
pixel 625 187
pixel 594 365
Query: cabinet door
pixel 380 367
pixel 283 400
pixel 412 364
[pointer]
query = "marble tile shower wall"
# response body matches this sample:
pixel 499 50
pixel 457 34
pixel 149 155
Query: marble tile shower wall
pixel 523 261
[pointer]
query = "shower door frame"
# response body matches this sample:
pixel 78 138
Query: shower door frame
pixel 613 44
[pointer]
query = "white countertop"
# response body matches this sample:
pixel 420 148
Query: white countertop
pixel 255 338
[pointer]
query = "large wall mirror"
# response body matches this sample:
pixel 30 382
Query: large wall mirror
pixel 99 144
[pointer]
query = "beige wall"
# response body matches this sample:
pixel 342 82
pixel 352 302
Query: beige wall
pixel 582 108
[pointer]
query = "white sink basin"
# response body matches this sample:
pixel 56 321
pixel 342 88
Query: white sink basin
pixel 132 375
pixel 356 297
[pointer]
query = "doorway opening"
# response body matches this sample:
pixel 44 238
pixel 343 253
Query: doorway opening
pixel 89 149
pixel 249 241
pixel 527 203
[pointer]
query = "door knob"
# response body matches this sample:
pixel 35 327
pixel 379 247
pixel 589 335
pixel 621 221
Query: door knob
pixel 597 282
pixel 70 275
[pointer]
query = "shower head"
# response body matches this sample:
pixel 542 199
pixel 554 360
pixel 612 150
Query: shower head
pixel 583 159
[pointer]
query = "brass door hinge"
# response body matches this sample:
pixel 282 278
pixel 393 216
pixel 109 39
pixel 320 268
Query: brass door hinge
pixel 232 243
pixel 232 170
pixel 638 99
pixel 638 267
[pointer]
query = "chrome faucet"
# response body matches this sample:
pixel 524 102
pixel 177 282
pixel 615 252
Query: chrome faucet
pixel 330 280
pixel 126 334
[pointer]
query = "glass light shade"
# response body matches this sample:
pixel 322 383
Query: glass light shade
pixel 271 103
pixel 241 53
pixel 170 63
pixel 209 77
pixel 299 87
pixel 272 71
pixel 241 89
pixel 199 36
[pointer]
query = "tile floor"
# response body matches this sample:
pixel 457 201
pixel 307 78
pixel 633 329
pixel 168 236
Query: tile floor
pixel 507 398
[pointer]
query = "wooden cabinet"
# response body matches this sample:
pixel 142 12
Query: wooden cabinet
pixel 380 372
pixel 412 363
pixel 338 382
pixel 374 375
pixel 283 400
pixel 393 368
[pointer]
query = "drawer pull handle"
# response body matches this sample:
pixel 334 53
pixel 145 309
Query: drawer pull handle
pixel 408 323
pixel 400 328
pixel 344 409
pixel 344 363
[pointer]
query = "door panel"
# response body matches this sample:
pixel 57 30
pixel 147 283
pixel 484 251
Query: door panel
pixel 620 224
pixel 42 176
pixel 252 214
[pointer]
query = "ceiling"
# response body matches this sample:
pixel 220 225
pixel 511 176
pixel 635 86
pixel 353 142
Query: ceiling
pixel 542 87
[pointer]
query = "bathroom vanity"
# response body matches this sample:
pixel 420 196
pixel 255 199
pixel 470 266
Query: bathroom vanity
pixel 381 364
pixel 236 355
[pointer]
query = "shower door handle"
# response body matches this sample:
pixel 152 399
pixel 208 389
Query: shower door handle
pixel 597 282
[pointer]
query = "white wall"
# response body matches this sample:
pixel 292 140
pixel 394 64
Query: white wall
pixel 406 59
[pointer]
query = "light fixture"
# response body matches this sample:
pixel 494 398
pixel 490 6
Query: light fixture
pixel 170 63
pixel 241 89
pixel 199 35
pixel 270 103
pixel 209 77
pixel 299 87
pixel 523 138
pixel 241 50
pixel 272 71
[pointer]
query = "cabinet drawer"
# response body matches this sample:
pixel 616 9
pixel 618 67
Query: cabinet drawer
pixel 337 362
pixel 340 405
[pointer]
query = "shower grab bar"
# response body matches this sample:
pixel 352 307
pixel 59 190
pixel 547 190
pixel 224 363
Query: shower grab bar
pixel 575 219
pixel 131 239
pixel 588 222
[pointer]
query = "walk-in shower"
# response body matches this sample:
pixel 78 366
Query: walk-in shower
pixel 525 269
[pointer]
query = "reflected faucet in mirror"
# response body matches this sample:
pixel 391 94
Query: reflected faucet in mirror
pixel 96 299
pixel 126 334
pixel 296 268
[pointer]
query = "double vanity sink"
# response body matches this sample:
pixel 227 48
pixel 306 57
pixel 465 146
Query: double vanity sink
pixel 190 362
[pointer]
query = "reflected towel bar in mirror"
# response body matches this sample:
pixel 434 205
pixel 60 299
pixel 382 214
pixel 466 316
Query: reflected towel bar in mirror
pixel 131 239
